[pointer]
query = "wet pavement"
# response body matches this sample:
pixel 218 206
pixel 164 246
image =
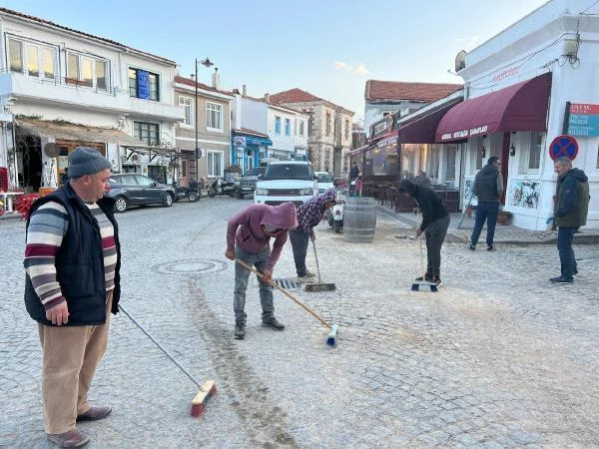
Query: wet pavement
pixel 498 357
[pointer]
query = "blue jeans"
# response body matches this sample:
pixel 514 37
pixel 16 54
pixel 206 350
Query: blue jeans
pixel 565 236
pixel 242 276
pixel 486 210
pixel 299 243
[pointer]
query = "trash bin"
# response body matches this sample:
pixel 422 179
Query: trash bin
pixel 359 219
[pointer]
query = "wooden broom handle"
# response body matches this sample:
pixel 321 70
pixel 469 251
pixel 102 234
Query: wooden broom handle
pixel 289 295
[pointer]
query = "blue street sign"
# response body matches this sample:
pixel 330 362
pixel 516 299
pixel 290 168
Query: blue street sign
pixel 563 146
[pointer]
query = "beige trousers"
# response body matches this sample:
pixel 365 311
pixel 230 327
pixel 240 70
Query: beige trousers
pixel 71 355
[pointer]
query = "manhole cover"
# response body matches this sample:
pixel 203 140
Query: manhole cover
pixel 287 284
pixel 191 266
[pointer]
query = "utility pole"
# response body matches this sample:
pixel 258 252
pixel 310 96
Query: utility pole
pixel 206 63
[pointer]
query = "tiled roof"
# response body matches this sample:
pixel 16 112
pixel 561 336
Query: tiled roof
pixel 397 90
pixel 189 82
pixel 251 132
pixel 81 33
pixel 294 96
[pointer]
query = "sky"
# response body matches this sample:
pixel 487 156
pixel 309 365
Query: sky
pixel 329 48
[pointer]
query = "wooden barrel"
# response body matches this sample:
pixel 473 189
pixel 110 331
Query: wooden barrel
pixel 359 219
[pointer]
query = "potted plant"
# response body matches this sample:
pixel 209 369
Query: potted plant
pixel 504 217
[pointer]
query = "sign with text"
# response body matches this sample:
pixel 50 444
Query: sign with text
pixel 583 120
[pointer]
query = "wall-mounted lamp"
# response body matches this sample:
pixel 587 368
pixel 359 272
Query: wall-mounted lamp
pixel 484 152
pixel 512 149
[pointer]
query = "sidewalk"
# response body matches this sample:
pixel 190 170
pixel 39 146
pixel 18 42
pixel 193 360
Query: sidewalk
pixel 503 233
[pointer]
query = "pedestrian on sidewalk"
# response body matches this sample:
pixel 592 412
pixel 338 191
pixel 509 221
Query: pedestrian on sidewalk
pixel 488 187
pixel 571 210
pixel 353 174
pixel 435 222
pixel 309 215
pixel 72 284
pixel 248 239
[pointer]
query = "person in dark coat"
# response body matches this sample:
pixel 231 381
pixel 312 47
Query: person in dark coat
pixel 488 187
pixel 354 172
pixel 571 210
pixel 435 222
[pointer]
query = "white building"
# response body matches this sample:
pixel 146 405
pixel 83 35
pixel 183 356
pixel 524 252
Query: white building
pixel 68 88
pixel 521 86
pixel 288 130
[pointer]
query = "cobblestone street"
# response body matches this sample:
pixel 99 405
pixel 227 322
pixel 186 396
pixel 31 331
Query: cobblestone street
pixel 498 357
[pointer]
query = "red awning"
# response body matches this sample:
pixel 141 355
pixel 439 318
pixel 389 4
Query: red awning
pixel 422 128
pixel 521 107
pixel 358 150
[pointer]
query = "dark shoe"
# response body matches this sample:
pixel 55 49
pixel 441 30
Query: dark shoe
pixel 94 414
pixel 490 248
pixel 562 279
pixel 472 247
pixel 272 322
pixel 437 281
pixel 427 278
pixel 72 438
pixel 240 331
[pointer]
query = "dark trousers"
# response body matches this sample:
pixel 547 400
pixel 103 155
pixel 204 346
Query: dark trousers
pixel 486 210
pixel 435 234
pixel 565 236
pixel 299 243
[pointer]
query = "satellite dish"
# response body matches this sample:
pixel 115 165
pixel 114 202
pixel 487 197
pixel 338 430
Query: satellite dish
pixel 51 149
pixel 135 158
pixel 460 61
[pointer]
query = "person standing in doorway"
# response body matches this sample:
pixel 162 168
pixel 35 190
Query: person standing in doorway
pixel 435 222
pixel 354 172
pixel 248 239
pixel 571 210
pixel 72 261
pixel 488 187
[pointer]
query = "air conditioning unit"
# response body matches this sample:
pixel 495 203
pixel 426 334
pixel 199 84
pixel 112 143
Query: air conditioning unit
pixel 135 158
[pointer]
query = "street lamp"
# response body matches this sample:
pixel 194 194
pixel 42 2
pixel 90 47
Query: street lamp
pixel 206 63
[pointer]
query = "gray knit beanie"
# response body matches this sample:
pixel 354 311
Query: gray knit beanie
pixel 86 161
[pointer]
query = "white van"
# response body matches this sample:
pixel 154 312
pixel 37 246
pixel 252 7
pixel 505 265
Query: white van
pixel 285 181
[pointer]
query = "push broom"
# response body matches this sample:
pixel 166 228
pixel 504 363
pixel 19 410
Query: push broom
pixel 426 285
pixel 320 286
pixel 331 336
pixel 206 390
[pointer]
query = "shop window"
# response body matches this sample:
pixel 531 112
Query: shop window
pixel 147 132
pixel 215 163
pixel 86 71
pixel 144 85
pixel 186 103
pixel 214 117
pixel 534 155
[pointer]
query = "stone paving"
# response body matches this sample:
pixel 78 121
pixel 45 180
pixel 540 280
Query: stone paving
pixel 497 358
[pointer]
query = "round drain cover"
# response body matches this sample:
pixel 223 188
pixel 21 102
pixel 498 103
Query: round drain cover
pixel 191 267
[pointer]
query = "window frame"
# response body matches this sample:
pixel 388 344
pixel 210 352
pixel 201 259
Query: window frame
pixel 210 168
pixel 328 124
pixel 150 126
pixel 218 109
pixel 540 140
pixel 151 76
pixel 288 127
pixel 24 56
pixel 79 80
pixel 191 113
pixel 278 125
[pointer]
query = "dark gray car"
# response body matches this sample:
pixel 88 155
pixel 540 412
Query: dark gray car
pixel 130 189
pixel 247 183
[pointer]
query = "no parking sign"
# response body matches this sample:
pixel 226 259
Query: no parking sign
pixel 563 146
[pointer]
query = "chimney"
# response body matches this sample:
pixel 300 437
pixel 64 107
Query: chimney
pixel 267 98
pixel 216 79
pixel 244 90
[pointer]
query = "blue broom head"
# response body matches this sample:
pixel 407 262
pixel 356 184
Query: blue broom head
pixel 332 335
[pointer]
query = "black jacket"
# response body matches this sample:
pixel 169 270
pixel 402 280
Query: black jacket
pixel 428 202
pixel 79 263
pixel 572 199
pixel 488 184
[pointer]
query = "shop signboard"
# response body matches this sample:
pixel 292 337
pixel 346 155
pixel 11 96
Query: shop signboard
pixel 583 120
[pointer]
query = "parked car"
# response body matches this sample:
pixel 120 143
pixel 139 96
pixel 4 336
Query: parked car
pixel 285 181
pixel 247 183
pixel 325 181
pixel 130 189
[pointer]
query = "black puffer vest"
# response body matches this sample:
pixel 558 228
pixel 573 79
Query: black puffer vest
pixel 79 263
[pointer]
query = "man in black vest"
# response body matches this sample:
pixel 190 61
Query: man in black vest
pixel 72 261
pixel 488 187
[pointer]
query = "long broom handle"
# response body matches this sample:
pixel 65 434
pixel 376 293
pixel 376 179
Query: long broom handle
pixel 289 295
pixel 316 258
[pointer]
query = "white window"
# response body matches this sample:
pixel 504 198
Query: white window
pixel 32 58
pixel 87 71
pixel 214 117
pixel 301 130
pixel 215 163
pixel 534 155
pixel 186 103
pixel 287 127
